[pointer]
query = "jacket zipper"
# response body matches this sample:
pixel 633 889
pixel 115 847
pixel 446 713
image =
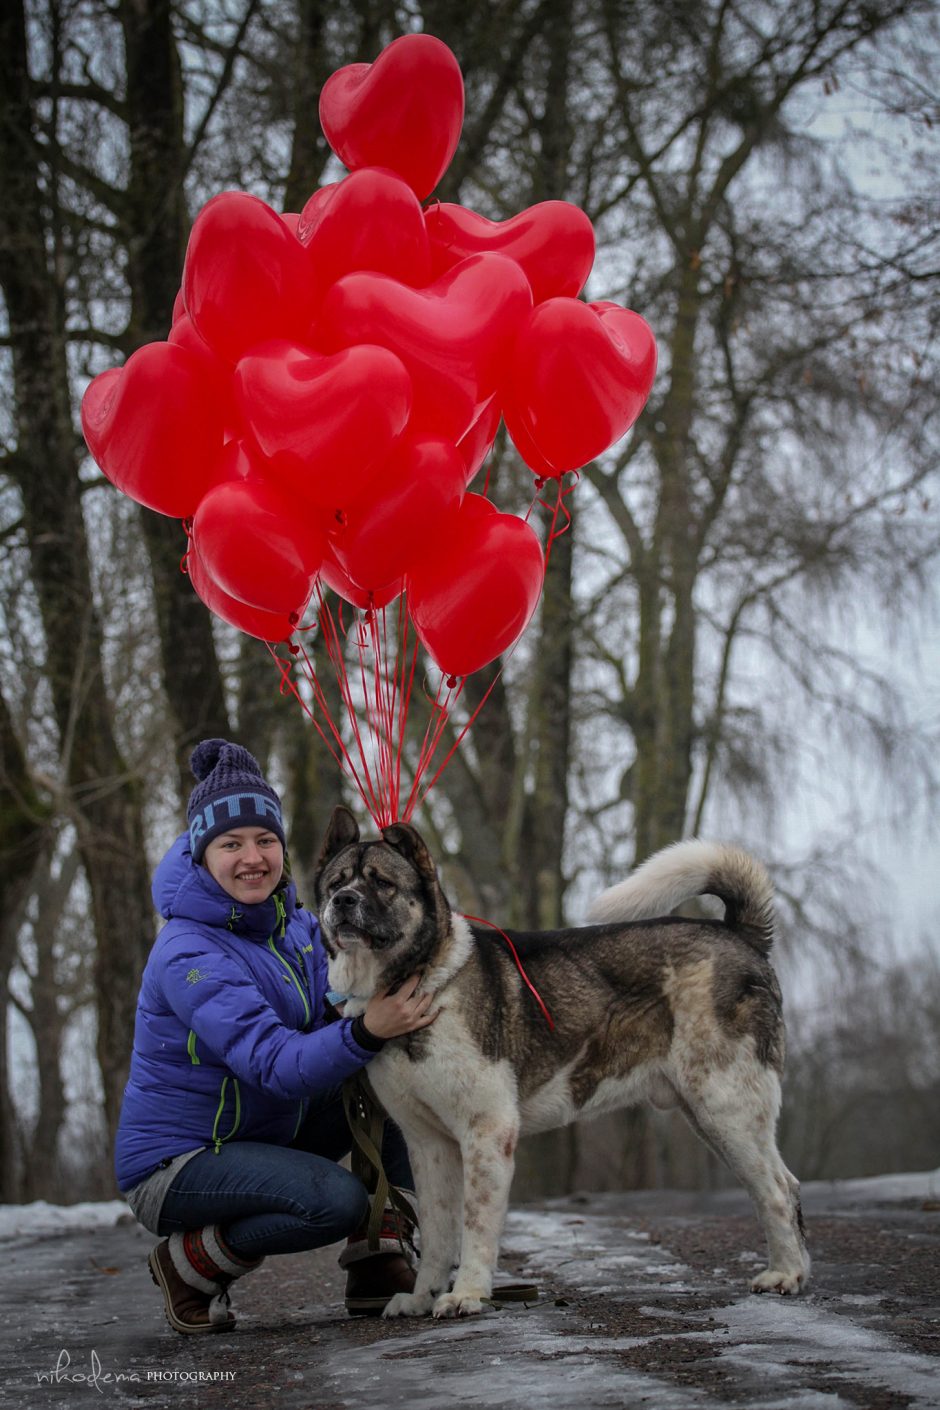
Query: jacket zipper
pixel 298 983
pixel 191 1049
pixel 216 1138
pixel 300 1117
pixel 301 990
pixel 272 946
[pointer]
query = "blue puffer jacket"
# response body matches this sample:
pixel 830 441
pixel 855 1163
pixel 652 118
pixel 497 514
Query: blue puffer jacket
pixel 231 1033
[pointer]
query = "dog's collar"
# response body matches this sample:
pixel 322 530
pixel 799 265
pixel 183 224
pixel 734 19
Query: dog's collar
pixel 335 997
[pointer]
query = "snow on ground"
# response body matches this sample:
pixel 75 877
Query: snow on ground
pixel 602 1254
pixel 770 1333
pixel 502 1360
pixel 505 1368
pixel 518 1356
pixel 42 1218
pixel 876 1189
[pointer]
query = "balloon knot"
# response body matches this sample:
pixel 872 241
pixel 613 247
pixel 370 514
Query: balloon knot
pixel 293 648
pixel 293 618
pixel 451 682
pixel 540 482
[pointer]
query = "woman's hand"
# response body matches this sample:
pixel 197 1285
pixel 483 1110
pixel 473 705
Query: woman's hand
pixel 389 1015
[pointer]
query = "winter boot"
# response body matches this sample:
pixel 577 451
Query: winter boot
pixel 194 1271
pixel 375 1275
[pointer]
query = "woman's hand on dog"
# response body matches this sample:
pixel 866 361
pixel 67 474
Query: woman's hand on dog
pixel 392 1013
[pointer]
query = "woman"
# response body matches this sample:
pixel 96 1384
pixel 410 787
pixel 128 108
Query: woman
pixel 232 1122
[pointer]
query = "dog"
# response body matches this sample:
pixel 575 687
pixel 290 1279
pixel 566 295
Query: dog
pixel 646 1006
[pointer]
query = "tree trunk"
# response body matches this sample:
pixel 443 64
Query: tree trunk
pixel 309 148
pixel 23 840
pixel 105 800
pixel 42 1176
pixel 547 1162
pixel 156 242
pixel 663 721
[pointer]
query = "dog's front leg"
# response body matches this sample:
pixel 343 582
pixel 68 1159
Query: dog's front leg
pixel 488 1148
pixel 435 1160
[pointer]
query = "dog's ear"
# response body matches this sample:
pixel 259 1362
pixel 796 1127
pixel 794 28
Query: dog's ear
pixel 408 841
pixel 342 832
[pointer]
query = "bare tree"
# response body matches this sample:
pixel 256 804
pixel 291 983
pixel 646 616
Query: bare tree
pixel 104 798
pixel 778 482
pixel 23 841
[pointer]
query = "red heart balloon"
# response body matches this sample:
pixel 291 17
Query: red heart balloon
pixel 415 494
pixel 372 220
pixel 238 461
pixel 580 378
pixel 219 373
pixel 246 276
pixel 313 211
pixel 403 112
pixel 256 546
pixel 552 243
pixel 155 427
pixel 477 443
pixel 473 597
pixel 333 575
pixel 455 337
pixel 326 423
pixel 527 449
pixel 266 626
pixel 97 407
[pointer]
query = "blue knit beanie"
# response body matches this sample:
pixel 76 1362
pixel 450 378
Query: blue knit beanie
pixel 231 792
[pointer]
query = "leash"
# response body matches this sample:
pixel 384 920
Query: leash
pixel 480 920
pixel 366 1117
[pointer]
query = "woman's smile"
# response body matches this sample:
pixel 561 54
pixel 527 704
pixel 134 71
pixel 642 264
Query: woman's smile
pixel 247 862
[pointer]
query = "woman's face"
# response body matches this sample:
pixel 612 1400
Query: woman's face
pixel 246 862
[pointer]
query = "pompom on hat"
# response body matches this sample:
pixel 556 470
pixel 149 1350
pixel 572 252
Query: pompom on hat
pixel 231 792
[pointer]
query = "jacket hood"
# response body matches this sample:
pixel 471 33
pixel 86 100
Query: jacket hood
pixel 185 890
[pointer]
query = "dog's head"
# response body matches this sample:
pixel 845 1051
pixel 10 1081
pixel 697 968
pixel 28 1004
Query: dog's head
pixel 380 894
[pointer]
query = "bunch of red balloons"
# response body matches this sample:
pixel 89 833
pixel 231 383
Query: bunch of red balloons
pixel 333 381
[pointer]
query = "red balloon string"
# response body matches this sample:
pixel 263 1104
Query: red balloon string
pixel 559 507
pixel 333 740
pixel 479 920
pixel 444 709
pixel 437 723
pixel 376 694
pixel 334 649
pixel 375 699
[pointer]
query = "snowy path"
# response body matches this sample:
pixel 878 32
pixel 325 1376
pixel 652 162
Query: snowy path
pixel 643 1304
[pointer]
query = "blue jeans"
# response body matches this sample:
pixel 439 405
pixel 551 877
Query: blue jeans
pixel 282 1199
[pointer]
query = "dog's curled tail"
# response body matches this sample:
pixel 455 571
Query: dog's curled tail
pixel 696 868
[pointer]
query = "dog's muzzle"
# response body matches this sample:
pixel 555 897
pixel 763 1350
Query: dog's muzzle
pixel 350 923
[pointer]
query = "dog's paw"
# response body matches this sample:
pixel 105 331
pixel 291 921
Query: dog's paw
pixel 773 1280
pixel 455 1304
pixel 409 1305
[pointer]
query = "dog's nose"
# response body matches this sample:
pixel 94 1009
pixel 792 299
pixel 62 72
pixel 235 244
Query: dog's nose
pixel 344 900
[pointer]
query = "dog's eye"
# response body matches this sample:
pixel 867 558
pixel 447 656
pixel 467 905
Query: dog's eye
pixel 384 885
